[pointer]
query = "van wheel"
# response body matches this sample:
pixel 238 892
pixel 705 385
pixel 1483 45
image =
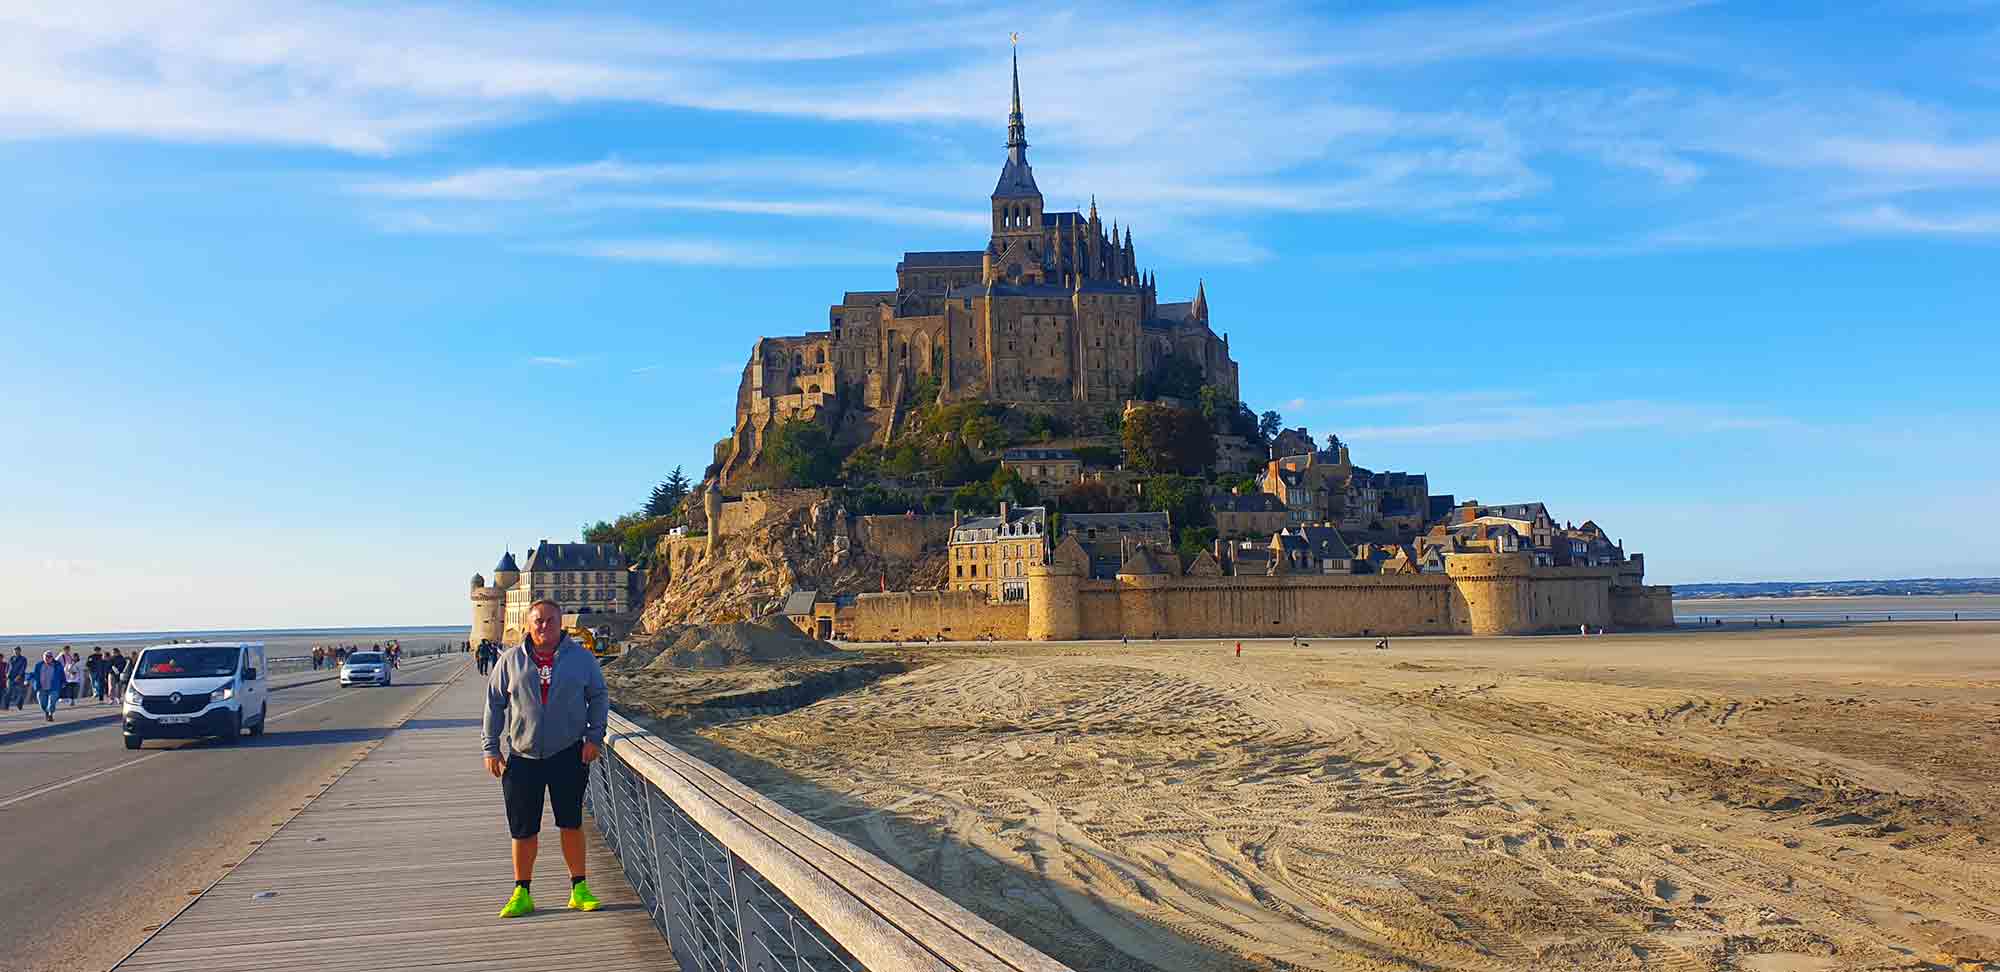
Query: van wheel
pixel 234 734
pixel 263 716
pixel 133 742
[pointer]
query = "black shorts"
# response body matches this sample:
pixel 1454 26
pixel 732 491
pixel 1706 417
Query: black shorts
pixel 564 775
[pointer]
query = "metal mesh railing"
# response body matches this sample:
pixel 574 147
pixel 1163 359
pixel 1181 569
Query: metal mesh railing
pixel 715 911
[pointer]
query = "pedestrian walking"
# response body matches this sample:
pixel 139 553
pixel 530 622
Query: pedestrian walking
pixel 546 709
pixel 121 666
pixel 17 680
pixel 97 670
pixel 49 681
pixel 1239 649
pixel 72 676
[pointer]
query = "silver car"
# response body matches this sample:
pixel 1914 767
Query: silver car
pixel 369 667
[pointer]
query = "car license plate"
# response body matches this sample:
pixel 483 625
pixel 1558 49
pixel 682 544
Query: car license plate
pixel 173 720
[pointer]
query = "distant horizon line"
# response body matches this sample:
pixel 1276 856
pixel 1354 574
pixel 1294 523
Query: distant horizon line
pixel 172 632
pixel 1858 580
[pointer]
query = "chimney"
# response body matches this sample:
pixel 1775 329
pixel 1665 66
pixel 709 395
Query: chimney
pixel 1468 511
pixel 1003 513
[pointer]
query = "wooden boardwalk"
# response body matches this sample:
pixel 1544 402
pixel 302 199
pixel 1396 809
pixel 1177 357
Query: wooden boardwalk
pixel 402 864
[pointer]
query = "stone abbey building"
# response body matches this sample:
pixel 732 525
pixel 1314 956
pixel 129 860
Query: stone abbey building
pixel 1054 310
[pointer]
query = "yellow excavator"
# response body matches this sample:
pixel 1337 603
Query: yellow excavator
pixel 604 650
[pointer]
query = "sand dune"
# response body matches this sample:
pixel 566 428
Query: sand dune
pixel 1775 800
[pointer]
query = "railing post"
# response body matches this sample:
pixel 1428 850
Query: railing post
pixel 739 897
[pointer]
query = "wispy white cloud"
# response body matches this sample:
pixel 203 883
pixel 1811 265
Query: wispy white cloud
pixel 1193 124
pixel 550 361
pixel 1892 219
pixel 718 253
pixel 1516 423
pixel 1434 398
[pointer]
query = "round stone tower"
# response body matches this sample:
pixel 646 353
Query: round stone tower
pixel 1055 600
pixel 1491 592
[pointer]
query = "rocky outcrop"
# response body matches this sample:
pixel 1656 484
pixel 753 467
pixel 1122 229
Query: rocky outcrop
pixel 749 571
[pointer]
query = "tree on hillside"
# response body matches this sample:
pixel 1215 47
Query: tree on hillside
pixel 974 498
pixel 805 454
pixel 984 432
pixel 1184 498
pixel 667 496
pixel 1173 377
pixel 1008 485
pixel 1168 440
pixel 1212 401
pixel 1194 540
pixel 1269 426
pixel 602 532
pixel 1089 496
pixel 954 463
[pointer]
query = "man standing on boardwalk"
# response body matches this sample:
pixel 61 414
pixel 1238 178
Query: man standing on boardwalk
pixel 547 705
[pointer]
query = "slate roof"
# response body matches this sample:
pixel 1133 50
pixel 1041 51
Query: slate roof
pixel 1015 514
pixel 864 298
pixel 575 556
pixel 1141 561
pixel 1520 511
pixel 1133 522
pixel 507 563
pixel 1249 503
pixel 1037 455
pixel 1177 311
pixel 800 602
pixel 1017 180
pixel 1071 218
pixel 1038 290
pixel 916 259
pixel 1325 542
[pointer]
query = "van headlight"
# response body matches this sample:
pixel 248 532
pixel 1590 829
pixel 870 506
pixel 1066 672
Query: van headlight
pixel 222 694
pixel 133 697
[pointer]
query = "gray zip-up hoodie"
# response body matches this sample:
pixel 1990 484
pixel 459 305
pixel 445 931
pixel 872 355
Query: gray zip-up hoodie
pixel 579 703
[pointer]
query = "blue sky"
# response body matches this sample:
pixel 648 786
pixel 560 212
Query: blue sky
pixel 314 309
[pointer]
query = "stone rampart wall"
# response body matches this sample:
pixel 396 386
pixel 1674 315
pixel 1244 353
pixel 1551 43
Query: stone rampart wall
pixel 938 615
pixel 679 553
pixel 1642 607
pixel 897 537
pixel 755 506
pixel 1481 595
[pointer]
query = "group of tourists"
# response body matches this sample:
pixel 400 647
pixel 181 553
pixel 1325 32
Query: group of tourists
pixel 487 653
pixel 336 655
pixel 64 674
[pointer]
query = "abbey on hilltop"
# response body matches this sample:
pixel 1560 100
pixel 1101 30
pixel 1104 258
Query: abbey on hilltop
pixel 1053 310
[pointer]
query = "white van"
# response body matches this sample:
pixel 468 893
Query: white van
pixel 193 691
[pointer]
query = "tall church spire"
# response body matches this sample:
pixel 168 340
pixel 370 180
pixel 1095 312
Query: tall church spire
pixel 1017 179
pixel 1017 128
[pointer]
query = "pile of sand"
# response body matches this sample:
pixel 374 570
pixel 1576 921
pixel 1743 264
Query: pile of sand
pixel 679 647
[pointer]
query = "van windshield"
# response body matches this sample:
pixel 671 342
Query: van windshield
pixel 177 662
pixel 365 658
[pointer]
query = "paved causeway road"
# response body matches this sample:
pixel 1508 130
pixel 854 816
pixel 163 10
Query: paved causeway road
pixel 98 843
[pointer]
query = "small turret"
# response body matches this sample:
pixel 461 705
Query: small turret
pixel 1200 310
pixel 506 574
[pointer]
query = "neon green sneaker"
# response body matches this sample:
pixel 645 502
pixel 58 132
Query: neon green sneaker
pixel 580 898
pixel 520 904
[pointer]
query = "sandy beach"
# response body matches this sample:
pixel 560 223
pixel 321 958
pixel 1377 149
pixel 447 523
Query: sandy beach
pixel 1767 800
